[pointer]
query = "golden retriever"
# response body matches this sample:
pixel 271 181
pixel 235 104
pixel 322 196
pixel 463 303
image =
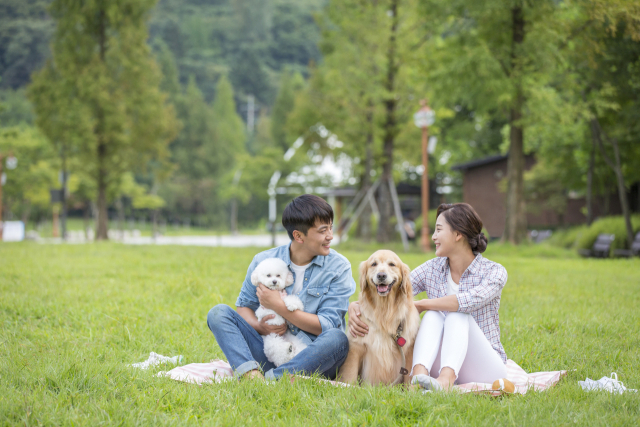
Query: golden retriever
pixel 386 301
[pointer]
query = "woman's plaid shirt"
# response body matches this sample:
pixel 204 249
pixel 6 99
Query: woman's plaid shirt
pixel 479 295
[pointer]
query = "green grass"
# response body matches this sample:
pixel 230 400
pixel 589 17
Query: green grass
pixel 73 316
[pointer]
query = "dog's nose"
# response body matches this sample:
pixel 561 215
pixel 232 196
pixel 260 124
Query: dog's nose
pixel 382 276
pixel 275 282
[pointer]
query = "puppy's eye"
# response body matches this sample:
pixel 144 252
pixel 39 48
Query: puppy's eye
pixel 278 275
pixel 391 264
pixel 268 275
pixel 374 264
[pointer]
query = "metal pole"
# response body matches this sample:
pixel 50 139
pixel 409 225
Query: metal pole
pixel 272 218
pixel 398 211
pixel 426 242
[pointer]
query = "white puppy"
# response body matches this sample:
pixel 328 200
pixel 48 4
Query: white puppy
pixel 275 275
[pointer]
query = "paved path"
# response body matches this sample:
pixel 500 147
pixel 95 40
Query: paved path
pixel 262 240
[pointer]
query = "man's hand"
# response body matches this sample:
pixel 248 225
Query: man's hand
pixel 356 326
pixel 265 329
pixel 269 298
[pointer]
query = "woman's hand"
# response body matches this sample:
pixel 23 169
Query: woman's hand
pixel 421 305
pixel 269 298
pixel 265 329
pixel 356 326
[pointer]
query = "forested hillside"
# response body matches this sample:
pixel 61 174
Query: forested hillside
pixel 251 48
pixel 250 40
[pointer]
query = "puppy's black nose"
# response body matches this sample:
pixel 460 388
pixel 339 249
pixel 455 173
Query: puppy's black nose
pixel 382 276
pixel 275 282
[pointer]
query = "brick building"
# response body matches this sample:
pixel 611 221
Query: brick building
pixel 481 190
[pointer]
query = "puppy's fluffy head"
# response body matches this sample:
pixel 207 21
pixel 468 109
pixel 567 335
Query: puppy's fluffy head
pixel 273 273
pixel 383 274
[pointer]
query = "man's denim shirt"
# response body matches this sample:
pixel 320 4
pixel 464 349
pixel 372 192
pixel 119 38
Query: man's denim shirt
pixel 327 286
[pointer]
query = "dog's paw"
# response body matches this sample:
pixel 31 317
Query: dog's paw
pixel 293 303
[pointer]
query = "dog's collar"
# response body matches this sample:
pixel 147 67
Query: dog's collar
pixel 400 342
pixel 398 336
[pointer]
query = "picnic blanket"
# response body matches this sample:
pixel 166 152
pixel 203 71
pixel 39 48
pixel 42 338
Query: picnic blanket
pixel 220 370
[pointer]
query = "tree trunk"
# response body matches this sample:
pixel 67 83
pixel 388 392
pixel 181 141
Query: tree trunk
pixel 103 220
pixel 616 165
pixel 516 220
pixel 120 207
pixel 592 158
pixel 385 203
pixel 364 223
pixel 86 212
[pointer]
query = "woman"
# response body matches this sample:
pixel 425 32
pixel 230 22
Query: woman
pixel 459 337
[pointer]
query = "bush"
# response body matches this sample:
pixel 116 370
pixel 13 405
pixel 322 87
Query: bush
pixel 610 225
pixel 567 238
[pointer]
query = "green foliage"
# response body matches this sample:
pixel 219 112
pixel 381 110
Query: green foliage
pixel 25 34
pixel 567 238
pixel 74 316
pixel 250 40
pixel 290 85
pixel 100 93
pixel 15 108
pixel 27 188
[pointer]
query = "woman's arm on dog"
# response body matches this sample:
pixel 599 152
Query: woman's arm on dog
pixel 261 326
pixel 356 326
pixel 448 303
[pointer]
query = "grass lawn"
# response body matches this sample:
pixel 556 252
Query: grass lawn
pixel 73 316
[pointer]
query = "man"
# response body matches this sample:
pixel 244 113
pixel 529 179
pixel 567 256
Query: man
pixel 322 280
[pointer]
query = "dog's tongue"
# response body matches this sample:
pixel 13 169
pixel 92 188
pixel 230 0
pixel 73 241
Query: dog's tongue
pixel 383 288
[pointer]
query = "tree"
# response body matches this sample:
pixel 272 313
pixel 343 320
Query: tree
pixel 498 56
pixel 284 104
pixel 103 79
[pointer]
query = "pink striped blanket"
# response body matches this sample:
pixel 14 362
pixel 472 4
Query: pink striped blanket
pixel 220 370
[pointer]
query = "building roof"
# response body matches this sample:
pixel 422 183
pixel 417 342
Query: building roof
pixel 480 162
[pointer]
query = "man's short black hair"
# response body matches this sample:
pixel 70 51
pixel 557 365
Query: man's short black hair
pixel 304 212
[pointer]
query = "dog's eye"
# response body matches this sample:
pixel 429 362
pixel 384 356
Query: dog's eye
pixel 268 275
pixel 374 264
pixel 391 264
pixel 278 275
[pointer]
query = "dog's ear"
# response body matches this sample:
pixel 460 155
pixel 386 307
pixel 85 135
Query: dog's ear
pixel 406 280
pixel 254 278
pixel 364 266
pixel 289 279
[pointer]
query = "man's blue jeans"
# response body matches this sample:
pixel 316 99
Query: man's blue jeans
pixel 244 348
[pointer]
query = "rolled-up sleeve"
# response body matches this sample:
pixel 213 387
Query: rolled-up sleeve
pixel 488 289
pixel 335 303
pixel 248 297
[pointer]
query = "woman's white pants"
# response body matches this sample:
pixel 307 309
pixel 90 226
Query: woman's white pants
pixel 456 341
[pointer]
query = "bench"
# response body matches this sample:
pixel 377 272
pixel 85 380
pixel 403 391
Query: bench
pixel 634 251
pixel 601 247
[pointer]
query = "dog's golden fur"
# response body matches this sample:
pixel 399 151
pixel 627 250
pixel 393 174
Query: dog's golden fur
pixel 375 358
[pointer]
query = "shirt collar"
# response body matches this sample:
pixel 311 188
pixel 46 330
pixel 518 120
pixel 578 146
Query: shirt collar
pixel 317 260
pixel 473 268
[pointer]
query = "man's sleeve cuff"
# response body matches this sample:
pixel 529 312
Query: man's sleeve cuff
pixel 242 302
pixel 325 323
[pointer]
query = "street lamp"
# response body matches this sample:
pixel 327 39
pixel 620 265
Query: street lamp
pixel 12 163
pixel 424 118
